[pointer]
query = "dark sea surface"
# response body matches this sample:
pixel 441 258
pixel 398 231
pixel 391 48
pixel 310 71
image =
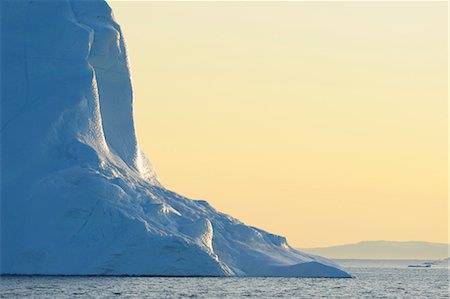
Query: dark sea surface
pixel 372 279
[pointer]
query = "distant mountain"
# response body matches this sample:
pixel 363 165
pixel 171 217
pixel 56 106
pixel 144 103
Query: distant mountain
pixel 384 250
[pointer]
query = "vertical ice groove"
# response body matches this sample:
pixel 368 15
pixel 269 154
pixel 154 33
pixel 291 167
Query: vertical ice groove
pixel 108 58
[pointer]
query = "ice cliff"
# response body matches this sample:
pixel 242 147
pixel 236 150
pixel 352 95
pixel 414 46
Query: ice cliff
pixel 78 196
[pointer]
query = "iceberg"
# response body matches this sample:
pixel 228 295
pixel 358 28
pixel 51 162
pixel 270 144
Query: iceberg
pixel 78 196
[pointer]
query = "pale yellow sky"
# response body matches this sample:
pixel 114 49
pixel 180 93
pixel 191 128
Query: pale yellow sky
pixel 324 122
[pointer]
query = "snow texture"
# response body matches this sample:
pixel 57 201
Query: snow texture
pixel 78 196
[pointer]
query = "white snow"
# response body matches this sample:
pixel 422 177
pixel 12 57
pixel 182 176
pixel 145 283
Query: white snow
pixel 77 194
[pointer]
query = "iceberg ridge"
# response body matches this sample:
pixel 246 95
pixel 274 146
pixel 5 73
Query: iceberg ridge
pixel 78 196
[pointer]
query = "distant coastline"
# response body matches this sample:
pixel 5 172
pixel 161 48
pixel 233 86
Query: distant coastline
pixel 384 250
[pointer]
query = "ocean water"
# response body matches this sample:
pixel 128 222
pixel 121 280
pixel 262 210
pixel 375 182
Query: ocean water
pixel 372 279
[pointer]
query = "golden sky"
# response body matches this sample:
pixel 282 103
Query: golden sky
pixel 325 122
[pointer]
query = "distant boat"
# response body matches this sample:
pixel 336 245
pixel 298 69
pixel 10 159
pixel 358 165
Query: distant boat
pixel 420 266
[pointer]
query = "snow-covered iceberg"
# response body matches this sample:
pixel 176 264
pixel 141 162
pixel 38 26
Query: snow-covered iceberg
pixel 77 194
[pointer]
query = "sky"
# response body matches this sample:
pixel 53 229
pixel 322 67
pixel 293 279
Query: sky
pixel 325 122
